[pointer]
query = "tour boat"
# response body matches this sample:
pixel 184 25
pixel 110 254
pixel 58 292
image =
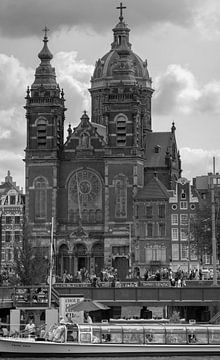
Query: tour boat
pixel 114 340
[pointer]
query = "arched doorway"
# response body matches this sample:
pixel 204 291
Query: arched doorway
pixel 80 253
pixel 63 263
pixel 122 265
pixel 97 258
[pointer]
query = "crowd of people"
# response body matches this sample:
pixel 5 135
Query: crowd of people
pixel 109 275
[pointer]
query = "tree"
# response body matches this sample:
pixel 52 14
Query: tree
pixel 30 264
pixel 201 229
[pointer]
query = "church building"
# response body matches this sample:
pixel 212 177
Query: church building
pixel 89 183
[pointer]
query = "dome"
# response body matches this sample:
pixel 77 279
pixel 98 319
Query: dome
pixel 120 63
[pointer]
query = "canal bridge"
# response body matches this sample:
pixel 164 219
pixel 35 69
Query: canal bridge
pixel 195 293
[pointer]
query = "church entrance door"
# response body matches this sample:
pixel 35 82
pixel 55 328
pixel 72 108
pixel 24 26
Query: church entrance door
pixel 98 256
pixel 122 266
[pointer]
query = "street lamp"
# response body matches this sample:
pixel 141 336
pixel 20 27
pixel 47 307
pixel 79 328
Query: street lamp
pixel 214 179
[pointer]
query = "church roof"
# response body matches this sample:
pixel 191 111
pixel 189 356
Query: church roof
pixel 121 63
pixel 153 190
pixel 158 144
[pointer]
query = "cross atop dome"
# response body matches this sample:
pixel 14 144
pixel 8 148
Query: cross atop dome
pixel 121 7
pixel 45 30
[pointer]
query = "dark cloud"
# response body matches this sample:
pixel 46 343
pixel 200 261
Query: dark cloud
pixel 25 17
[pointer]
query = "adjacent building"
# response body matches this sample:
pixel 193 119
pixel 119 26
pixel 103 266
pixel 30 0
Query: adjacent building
pixel 11 222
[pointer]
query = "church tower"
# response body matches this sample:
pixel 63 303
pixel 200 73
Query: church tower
pixel 121 91
pixel 45 119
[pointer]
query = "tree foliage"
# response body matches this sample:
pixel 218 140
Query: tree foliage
pixel 201 228
pixel 30 264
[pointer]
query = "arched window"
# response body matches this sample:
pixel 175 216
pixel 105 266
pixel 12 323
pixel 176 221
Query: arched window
pixel 40 186
pixel 121 130
pixel 120 196
pixel 42 132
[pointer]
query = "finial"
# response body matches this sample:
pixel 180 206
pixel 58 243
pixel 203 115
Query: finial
pixel 28 92
pixel 84 112
pixel 173 128
pixel 121 7
pixel 69 131
pixel 45 30
pixel 62 94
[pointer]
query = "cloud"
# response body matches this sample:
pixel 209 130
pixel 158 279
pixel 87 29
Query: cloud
pixel 13 81
pixel 178 92
pixel 74 76
pixel 207 19
pixel 26 17
pixel 196 162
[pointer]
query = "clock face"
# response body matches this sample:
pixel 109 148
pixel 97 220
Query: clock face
pixel 84 186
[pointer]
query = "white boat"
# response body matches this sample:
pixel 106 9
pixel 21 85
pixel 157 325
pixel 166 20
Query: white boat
pixel 114 340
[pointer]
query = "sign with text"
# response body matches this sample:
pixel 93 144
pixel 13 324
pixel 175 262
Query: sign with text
pixel 65 309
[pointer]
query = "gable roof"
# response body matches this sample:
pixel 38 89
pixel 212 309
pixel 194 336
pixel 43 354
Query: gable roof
pixel 155 189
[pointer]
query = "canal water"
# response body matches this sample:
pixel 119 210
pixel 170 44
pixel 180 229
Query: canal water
pixel 187 357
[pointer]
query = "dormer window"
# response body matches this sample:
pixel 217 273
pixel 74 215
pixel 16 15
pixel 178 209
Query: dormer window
pixel 157 149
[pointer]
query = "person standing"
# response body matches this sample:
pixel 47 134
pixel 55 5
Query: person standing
pixel 30 328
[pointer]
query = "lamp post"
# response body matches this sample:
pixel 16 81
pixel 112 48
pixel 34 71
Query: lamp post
pixel 214 248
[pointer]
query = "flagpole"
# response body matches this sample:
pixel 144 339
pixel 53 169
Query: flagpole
pixel 51 265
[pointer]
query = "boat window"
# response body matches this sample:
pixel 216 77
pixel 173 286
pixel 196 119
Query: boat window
pixel 197 335
pixel 154 334
pixel 112 334
pixel 85 333
pixel 133 335
pixel 72 333
pixel 176 335
pixel 96 334
pixel 85 337
pixel 214 335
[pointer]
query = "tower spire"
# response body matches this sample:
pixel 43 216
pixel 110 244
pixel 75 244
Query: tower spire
pixel 45 30
pixel 121 7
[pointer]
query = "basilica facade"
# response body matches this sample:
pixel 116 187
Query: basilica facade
pixel 90 182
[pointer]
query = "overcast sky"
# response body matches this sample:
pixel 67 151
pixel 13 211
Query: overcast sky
pixel 179 38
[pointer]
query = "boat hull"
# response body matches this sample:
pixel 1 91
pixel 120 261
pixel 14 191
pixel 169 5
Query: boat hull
pixel 24 348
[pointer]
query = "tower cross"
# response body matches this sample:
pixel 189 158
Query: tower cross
pixel 45 30
pixel 121 7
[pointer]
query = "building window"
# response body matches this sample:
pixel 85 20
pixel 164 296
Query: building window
pixel 8 219
pixel 155 253
pixel 183 205
pixel 175 252
pixel 17 220
pixel 120 250
pixel 149 229
pixel 183 195
pixel 17 236
pixel 175 234
pixel 42 133
pixel 121 197
pixel 40 198
pixel 8 255
pixel 183 219
pixel 8 236
pixel 183 234
pixel 149 211
pixel 121 130
pixel 12 200
pixel 174 219
pixel 161 229
pixel 184 252
pixel 161 211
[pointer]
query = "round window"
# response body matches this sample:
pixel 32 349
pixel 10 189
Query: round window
pixel 174 206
